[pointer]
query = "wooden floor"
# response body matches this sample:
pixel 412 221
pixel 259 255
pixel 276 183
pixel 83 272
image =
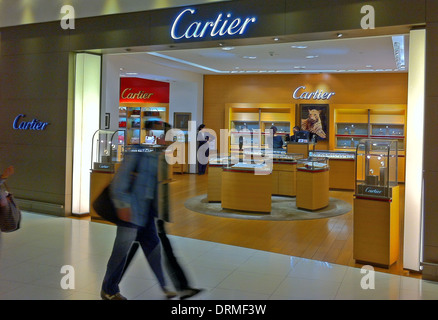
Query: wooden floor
pixel 328 240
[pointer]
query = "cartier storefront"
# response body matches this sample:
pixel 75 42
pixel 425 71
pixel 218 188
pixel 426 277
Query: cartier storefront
pixel 52 78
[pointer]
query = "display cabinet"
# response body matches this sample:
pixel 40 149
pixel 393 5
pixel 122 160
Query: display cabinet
pixel 333 155
pixel 377 162
pixel 342 168
pixel 377 122
pixel 107 149
pixel 389 131
pixel 245 133
pixel 245 189
pixel 376 219
pixel 134 120
pixel 312 164
pixel 312 183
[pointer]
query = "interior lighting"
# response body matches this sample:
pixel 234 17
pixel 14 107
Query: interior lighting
pixel 398 43
pixel 299 47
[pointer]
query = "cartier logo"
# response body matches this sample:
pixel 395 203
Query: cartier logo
pixel 35 124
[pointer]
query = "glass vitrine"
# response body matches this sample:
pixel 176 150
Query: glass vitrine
pixel 376 167
pixel 107 149
pixel 312 164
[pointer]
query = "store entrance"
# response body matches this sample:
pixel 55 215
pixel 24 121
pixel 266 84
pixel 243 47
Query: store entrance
pixel 367 100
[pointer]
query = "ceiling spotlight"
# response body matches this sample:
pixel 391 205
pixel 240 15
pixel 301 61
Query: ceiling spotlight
pixel 339 35
pixel 299 47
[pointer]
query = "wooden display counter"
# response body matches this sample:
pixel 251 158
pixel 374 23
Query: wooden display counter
pixel 342 173
pixel 300 148
pixel 284 178
pixel 313 188
pixel 376 230
pixel 214 187
pixel 243 190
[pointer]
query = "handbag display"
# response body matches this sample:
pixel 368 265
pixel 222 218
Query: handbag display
pixel 104 207
pixel 10 215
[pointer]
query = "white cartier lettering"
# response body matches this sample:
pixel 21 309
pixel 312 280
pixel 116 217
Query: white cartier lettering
pixel 223 25
pixel 28 125
pixel 372 190
pixel 317 95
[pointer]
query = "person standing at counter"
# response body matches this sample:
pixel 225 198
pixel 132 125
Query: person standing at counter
pixel 277 141
pixel 202 139
pixel 294 137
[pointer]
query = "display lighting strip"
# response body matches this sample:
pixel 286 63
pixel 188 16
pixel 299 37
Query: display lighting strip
pixel 156 54
pixel 398 43
pixel 297 69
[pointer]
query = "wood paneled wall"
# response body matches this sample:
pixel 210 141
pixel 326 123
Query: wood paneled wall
pixel 350 89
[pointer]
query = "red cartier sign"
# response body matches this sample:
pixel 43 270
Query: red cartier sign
pixel 143 90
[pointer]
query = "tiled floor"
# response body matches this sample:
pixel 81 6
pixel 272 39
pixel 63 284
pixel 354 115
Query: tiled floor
pixel 31 260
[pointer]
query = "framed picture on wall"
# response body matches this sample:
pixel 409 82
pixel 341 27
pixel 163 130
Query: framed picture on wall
pixel 315 119
pixel 181 120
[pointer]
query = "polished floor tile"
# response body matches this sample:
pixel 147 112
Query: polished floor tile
pixel 31 262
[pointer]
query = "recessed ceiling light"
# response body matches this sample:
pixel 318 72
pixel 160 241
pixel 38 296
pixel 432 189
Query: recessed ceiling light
pixel 249 57
pixel 339 35
pixel 299 47
pixel 276 39
pixel 227 48
pixel 311 57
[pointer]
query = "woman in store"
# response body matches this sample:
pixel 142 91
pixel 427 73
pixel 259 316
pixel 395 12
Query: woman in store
pixel 202 139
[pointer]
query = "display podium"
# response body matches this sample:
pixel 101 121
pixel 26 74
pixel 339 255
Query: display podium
pixel 312 183
pixel 107 153
pixel 300 147
pixel 244 190
pixel 376 218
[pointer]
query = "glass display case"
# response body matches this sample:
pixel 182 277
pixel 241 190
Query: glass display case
pixel 342 155
pixel 376 167
pixel 313 164
pixel 107 149
pixel 245 133
pixel 352 129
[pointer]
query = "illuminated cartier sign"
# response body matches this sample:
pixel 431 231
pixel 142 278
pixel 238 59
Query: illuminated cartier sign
pixel 140 95
pixel 221 26
pixel 28 125
pixel 300 94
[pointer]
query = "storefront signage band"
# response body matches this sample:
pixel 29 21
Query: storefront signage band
pixel 221 26
pixel 300 94
pixel 28 125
